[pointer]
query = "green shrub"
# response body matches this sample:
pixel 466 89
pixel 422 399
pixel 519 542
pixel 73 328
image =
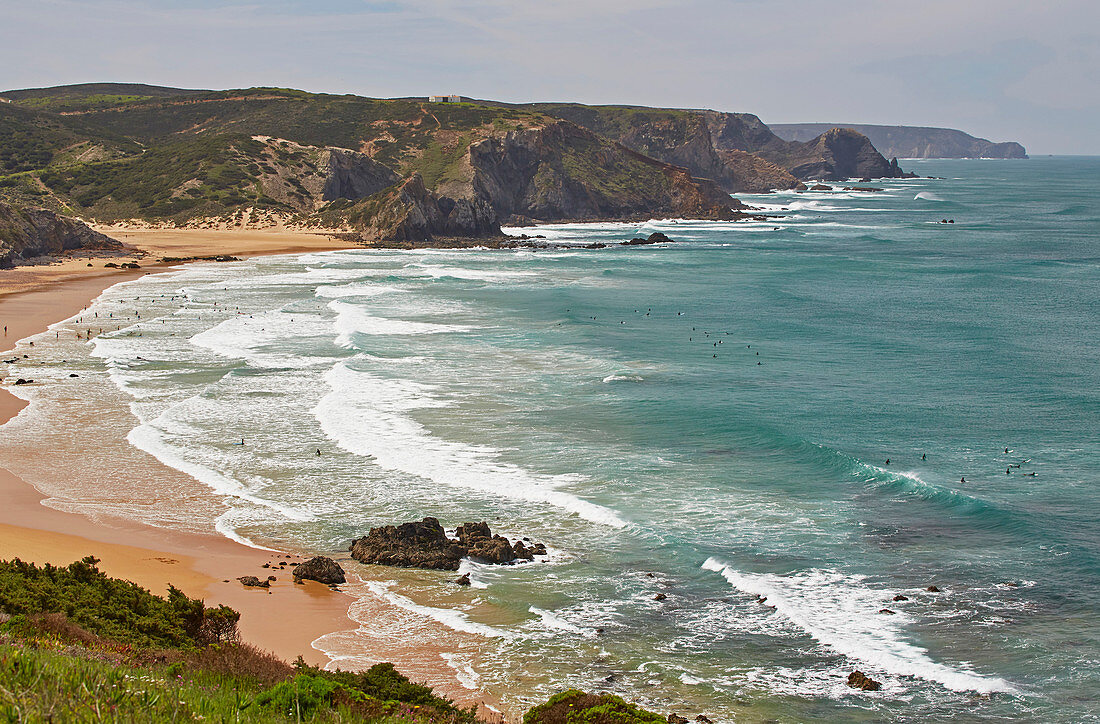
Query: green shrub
pixel 577 707
pixel 303 695
pixel 111 608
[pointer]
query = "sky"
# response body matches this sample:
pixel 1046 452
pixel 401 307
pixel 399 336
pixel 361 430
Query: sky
pixel 1005 70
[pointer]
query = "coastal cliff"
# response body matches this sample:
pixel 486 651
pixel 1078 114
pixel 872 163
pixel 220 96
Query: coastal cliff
pixel 910 141
pixel 737 150
pixel 28 233
pixel 834 155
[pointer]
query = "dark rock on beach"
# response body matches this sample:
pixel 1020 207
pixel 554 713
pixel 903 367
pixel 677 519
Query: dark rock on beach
pixel 676 719
pixel 253 582
pixel 900 597
pixel 320 569
pixel 859 680
pixel 425 544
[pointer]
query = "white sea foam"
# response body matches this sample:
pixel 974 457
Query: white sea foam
pixel 463 671
pixel 496 275
pixel 364 415
pixel 552 621
pixel 927 196
pixel 352 319
pixel 450 618
pixel 622 378
pixel 356 289
pixel 843 613
pixel 249 337
pixel 149 437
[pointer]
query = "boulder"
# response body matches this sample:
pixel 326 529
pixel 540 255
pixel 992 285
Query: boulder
pixel 320 569
pixel 859 680
pixel 253 582
pixel 492 550
pixel 654 238
pixel 463 580
pixel 933 589
pixel 425 544
pixel 676 719
pixel 422 544
pixel 821 187
pixel 900 597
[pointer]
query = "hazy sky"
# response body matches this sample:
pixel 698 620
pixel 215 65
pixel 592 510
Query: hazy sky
pixel 1001 69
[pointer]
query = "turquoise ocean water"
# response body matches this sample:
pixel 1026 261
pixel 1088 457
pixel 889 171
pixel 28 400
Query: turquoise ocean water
pixel 710 420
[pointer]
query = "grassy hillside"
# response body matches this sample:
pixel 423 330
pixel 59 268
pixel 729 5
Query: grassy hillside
pixel 114 152
pixel 77 646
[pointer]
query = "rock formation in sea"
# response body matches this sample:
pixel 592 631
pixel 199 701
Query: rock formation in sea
pixel 424 544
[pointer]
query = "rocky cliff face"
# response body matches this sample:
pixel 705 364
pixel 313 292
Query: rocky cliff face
pixel 410 213
pixel 27 233
pixel 352 175
pixel 564 172
pixel 685 139
pixel 834 155
pixel 837 154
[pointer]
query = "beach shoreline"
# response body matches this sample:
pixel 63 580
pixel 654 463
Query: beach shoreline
pixel 286 618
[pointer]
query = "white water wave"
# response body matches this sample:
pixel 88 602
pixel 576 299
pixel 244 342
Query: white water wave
pixel 456 620
pixel 843 613
pixel 352 319
pixel 364 414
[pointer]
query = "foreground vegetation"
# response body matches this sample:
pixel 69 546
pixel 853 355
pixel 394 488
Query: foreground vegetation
pixel 78 646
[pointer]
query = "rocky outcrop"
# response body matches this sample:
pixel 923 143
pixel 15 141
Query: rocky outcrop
pixel 753 174
pixel 254 582
pixel 352 175
pixel 683 138
pixel 27 233
pixel 563 172
pixel 910 141
pixel 859 680
pixel 655 238
pixel 838 154
pixel 320 569
pixel 424 544
pixel 410 213
pixel 834 155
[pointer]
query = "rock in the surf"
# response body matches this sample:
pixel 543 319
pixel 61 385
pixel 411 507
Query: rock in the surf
pixel 654 238
pixel 425 544
pixel 859 680
pixel 253 582
pixel 320 569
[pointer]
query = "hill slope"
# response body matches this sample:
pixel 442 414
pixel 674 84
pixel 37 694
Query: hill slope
pixel 190 156
pixel 911 141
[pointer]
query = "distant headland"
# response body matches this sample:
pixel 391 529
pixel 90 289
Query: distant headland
pixel 909 141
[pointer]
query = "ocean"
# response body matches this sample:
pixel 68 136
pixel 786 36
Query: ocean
pixel 782 426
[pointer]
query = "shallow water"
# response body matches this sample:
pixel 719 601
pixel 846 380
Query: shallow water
pixel 710 420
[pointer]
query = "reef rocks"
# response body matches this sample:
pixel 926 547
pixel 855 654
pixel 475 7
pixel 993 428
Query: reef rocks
pixel 859 680
pixel 320 569
pixel 424 544
pixel 654 238
pixel 253 582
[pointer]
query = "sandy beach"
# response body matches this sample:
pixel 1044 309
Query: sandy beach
pixel 31 299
